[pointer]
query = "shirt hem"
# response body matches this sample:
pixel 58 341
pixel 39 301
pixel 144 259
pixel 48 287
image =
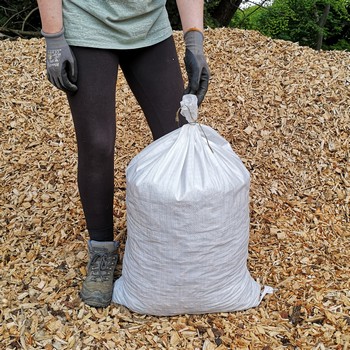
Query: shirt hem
pixel 117 45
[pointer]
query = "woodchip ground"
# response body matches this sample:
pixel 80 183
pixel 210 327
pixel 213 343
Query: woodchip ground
pixel 284 109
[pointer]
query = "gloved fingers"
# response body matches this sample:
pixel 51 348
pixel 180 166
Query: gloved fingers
pixel 199 92
pixel 193 70
pixel 72 69
pixel 194 82
pixel 53 80
pixel 62 69
pixel 191 87
pixel 199 88
pixel 187 90
pixel 67 85
pixel 56 82
pixel 203 85
pixel 53 75
pixel 62 82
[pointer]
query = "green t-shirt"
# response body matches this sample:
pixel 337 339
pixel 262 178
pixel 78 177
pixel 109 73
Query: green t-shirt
pixel 115 24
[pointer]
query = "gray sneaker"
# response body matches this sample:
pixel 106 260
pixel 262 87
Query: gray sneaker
pixel 98 286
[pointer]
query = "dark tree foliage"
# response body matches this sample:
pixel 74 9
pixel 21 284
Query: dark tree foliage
pixel 224 11
pixel 173 14
pixel 217 13
pixel 19 18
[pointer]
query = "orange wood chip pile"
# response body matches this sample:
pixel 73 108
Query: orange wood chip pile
pixel 284 109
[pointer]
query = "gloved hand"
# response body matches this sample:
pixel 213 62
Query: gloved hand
pixel 196 65
pixel 60 62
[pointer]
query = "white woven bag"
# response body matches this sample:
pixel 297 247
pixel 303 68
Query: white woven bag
pixel 188 226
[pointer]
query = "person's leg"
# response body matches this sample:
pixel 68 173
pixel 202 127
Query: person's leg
pixel 153 74
pixel 93 111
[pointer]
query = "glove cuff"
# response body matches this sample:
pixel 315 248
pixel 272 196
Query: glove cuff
pixel 194 34
pixel 194 29
pixel 194 40
pixel 55 41
pixel 53 35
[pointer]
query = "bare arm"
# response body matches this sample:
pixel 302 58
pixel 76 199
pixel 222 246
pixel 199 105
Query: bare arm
pixel 51 15
pixel 191 14
pixel 61 64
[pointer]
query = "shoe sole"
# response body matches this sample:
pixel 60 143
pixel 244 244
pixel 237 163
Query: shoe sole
pixel 96 299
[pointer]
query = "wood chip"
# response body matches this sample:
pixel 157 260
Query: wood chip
pixel 285 111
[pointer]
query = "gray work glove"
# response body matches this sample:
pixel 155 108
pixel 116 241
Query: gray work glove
pixel 60 62
pixel 196 65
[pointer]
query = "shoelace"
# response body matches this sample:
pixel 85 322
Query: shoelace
pixel 102 269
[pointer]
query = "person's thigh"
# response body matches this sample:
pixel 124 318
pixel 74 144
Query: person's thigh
pixel 93 106
pixel 154 76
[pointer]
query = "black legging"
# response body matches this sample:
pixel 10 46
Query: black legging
pixel 154 76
